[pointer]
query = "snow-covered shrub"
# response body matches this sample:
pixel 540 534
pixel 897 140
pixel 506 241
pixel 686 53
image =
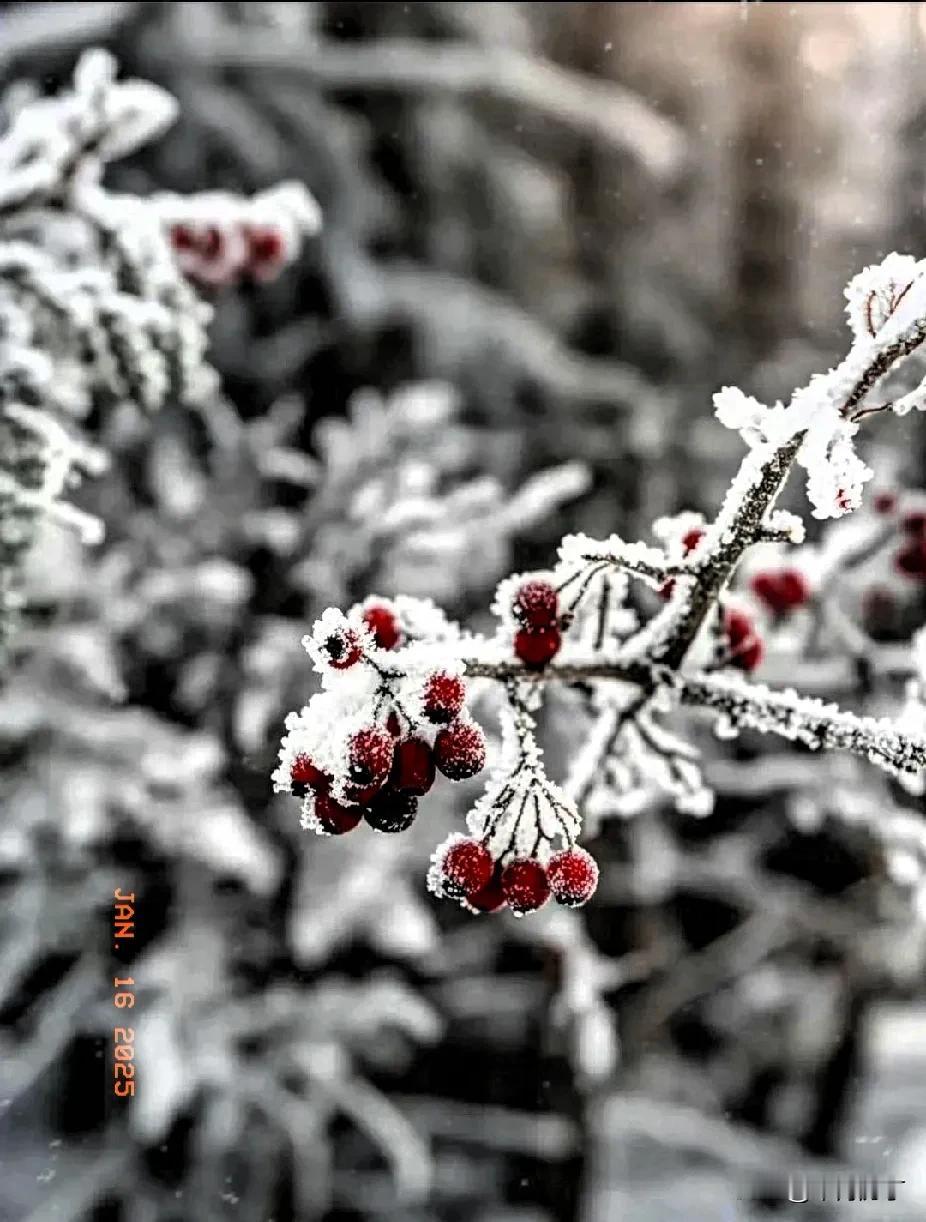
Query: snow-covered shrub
pixel 575 626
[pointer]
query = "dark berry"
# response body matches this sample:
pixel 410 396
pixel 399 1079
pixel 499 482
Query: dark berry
pixel 466 868
pixel 335 818
pixel 911 560
pixel 383 623
pixel 536 605
pixel 915 523
pixel 489 898
pixel 781 591
pixel 443 697
pixel 745 645
pixel 460 750
pixel 304 776
pixel 413 767
pixel 370 753
pixel 391 812
pixel 536 648
pixel 393 725
pixel 525 885
pixel 691 538
pixel 573 876
pixel 884 503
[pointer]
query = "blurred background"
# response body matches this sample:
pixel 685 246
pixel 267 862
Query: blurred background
pixel 551 231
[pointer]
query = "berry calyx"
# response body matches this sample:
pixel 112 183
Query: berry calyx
pixel 211 242
pixel 536 648
pixel 304 775
pixel 334 818
pixel 781 591
pixel 745 645
pixel 342 649
pixel 443 697
pixel 383 623
pixel 573 877
pixel 489 898
pixel 525 885
pixel 413 767
pixel 536 605
pixel 370 753
pixel 266 250
pixel 460 750
pixel 466 868
pixel 391 812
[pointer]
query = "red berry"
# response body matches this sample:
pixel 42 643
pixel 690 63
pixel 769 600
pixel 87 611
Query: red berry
pixel 182 238
pixel 884 503
pixel 745 644
pixel 489 898
pixel 362 795
pixel 911 560
pixel 691 538
pixel 343 649
pixel 335 818
pixel 460 750
pixel 304 775
pixel 383 623
pixel 393 725
pixel 525 885
pixel 266 249
pixel 443 698
pixel 535 649
pixel 391 812
pixel 370 753
pixel 536 605
pixel 915 523
pixel 413 767
pixel 573 876
pixel 466 868
pixel 781 591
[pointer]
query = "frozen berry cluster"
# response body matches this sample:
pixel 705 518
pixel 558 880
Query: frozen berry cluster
pixel 219 239
pixel 391 716
pixel 530 610
pixel 464 869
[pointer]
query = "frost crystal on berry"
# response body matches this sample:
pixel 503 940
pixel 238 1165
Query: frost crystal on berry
pixel 525 885
pixel 460 750
pixel 573 877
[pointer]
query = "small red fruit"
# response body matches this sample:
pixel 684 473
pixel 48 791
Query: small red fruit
pixel 525 885
pixel 334 818
pixel 573 876
pixel 391 812
pixel 460 750
pixel 183 238
pixel 383 623
pixel 370 753
pixel 343 649
pixel 911 559
pixel 745 644
pixel 691 538
pixel 443 697
pixel 489 898
pixel 884 503
pixel 266 250
pixel 915 523
pixel 781 591
pixel 413 767
pixel 466 868
pixel 304 775
pixel 536 648
pixel 536 605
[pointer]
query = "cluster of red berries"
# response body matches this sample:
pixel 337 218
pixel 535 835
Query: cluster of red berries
pixel 745 648
pixel 539 635
pixel 690 540
pixel 390 763
pixel 781 590
pixel 222 254
pixel 465 870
